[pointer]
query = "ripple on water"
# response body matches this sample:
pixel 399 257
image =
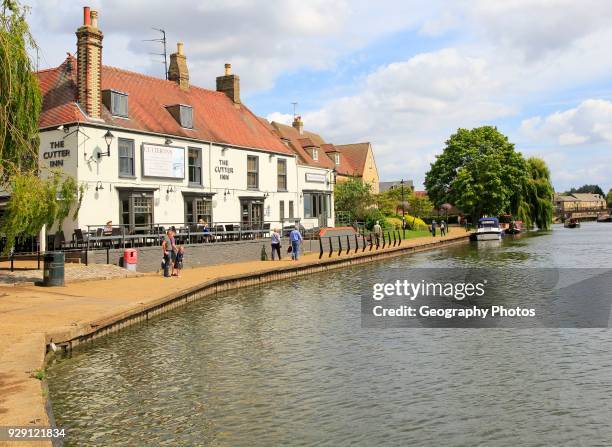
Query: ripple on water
pixel 289 364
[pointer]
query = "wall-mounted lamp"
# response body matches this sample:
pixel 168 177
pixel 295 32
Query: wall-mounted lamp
pixel 224 150
pixel 168 141
pixel 226 193
pixel 108 137
pixel 65 129
pixel 272 156
pixel 170 189
pixel 266 195
pixel 99 186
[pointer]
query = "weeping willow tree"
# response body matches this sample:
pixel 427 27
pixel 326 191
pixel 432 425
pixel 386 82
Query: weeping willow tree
pixel 37 198
pixel 539 193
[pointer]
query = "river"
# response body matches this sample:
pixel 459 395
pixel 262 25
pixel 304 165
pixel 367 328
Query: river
pixel 289 364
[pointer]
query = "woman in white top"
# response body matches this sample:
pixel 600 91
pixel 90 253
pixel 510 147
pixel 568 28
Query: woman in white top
pixel 276 243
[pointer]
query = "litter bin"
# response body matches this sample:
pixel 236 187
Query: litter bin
pixel 130 258
pixel 53 270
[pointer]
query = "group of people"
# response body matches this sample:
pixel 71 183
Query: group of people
pixel 295 243
pixel 434 226
pixel 173 254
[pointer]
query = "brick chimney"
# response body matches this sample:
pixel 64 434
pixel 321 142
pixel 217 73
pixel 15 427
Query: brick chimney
pixel 229 84
pixel 298 124
pixel 89 64
pixel 178 71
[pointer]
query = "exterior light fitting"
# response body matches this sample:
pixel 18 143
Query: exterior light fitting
pixel 99 186
pixel 108 138
pixel 168 141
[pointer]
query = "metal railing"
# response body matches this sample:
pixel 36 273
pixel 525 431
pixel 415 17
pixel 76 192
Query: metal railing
pixel 351 243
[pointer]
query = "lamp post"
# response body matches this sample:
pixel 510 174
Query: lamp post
pixel 108 137
pixel 403 207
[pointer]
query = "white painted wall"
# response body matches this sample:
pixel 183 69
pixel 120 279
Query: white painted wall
pixel 103 205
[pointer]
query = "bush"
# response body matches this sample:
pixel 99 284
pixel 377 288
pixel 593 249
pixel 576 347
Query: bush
pixel 413 223
pixel 373 215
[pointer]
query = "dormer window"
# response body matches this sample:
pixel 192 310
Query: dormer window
pixel 116 102
pixel 183 114
pixel 337 158
pixel 315 154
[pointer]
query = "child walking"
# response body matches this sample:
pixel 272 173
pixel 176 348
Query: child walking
pixel 178 263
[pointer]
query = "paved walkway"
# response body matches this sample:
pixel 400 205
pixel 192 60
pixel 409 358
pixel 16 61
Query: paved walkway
pixel 28 314
pixel 72 273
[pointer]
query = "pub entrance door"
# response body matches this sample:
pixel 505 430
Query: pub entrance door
pixel 251 212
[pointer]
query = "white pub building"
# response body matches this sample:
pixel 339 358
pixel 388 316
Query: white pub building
pixel 151 151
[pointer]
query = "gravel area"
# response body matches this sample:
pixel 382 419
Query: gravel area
pixel 73 273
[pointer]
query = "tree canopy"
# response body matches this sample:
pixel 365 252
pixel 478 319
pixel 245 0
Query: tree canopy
pixel 353 196
pixel 37 197
pixel 481 173
pixel 587 189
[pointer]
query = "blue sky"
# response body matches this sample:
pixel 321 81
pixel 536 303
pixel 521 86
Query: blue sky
pixel 401 74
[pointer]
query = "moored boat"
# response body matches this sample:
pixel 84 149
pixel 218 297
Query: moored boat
pixel 571 223
pixel 488 229
pixel 509 225
pixel 604 217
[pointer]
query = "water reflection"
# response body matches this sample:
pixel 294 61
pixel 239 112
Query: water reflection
pixel 289 364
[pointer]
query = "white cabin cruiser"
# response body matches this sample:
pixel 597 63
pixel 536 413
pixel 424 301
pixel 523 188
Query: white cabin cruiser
pixel 488 229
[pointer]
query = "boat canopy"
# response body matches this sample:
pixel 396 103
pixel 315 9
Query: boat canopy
pixel 492 220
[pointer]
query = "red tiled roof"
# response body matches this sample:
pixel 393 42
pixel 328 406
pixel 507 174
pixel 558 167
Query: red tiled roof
pixel 420 193
pixel 295 141
pixel 356 155
pixel 215 117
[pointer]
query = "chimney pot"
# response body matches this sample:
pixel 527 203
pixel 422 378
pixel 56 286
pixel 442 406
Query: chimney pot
pixel 94 19
pixel 178 71
pixel 298 124
pixel 228 69
pixel 89 63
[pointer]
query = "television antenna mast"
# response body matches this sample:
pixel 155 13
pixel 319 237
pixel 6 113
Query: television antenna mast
pixel 161 40
pixel 294 108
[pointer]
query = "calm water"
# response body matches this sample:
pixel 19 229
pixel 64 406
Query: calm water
pixel 289 364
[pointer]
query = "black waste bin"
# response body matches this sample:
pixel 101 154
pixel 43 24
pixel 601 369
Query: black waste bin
pixel 53 272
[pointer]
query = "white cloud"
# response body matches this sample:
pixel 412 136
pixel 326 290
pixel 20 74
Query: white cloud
pixel 408 109
pixel 261 39
pixel 588 123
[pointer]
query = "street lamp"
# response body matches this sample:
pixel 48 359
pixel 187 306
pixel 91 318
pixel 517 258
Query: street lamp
pixel 108 137
pixel 403 207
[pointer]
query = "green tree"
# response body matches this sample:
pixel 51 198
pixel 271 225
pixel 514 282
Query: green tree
pixel 587 189
pixel 390 201
pixel 609 198
pixel 479 172
pixel 537 200
pixel 37 198
pixel 353 196
pixel 419 206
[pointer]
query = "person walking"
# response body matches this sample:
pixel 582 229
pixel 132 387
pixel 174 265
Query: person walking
pixel 296 241
pixel 434 224
pixel 166 249
pixel 178 263
pixel 443 228
pixel 276 243
pixel 377 230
